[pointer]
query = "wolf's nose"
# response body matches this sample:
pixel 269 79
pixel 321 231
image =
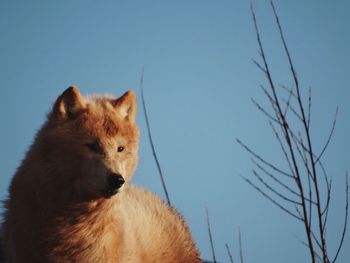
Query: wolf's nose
pixel 115 181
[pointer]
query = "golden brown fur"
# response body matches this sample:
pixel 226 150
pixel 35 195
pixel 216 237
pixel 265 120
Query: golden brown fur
pixel 57 209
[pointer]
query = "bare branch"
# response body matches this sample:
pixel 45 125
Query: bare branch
pixel 271 199
pixel 268 95
pixel 329 137
pixel 302 151
pixel 274 178
pixel 151 140
pixel 304 121
pixel 309 175
pixel 285 127
pixel 326 208
pixel 312 232
pixel 329 189
pixel 259 66
pixel 288 102
pixel 309 110
pixel 229 253
pixel 290 91
pixel 283 149
pixel 316 240
pixel 240 245
pixel 346 215
pixel 262 160
pixel 273 190
pixel 305 244
pixel 210 236
pixel 286 48
pixel 264 111
pixel 273 103
pixel 279 111
pixel 324 212
pixel 293 110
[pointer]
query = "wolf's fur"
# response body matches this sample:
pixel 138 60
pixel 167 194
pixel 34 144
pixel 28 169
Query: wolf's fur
pixel 57 212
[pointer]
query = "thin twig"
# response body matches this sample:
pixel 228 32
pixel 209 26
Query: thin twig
pixel 210 236
pixel 274 178
pixel 259 66
pixel 309 110
pixel 305 244
pixel 327 206
pixel 271 199
pixel 240 245
pixel 279 181
pixel 312 233
pixel 288 102
pixel 326 209
pixel 329 137
pixel 273 167
pixel 229 253
pixel 282 147
pixel 273 104
pixel 264 111
pixel 273 190
pixel 293 110
pixel 151 140
pixel 329 189
pixel 290 91
pixel 309 175
pixel 346 215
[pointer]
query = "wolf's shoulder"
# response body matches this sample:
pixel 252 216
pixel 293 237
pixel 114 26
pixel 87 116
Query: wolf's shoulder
pixel 137 195
pixel 144 203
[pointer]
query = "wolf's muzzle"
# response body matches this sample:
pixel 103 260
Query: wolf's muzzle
pixel 115 181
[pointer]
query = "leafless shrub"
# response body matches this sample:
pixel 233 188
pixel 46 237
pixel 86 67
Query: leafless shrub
pixel 298 191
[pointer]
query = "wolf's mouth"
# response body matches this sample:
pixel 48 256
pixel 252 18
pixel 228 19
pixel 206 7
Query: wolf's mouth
pixel 107 193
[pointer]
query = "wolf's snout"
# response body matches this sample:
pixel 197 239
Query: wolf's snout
pixel 115 181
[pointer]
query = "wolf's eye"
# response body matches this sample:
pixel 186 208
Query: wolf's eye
pixel 121 149
pixel 95 147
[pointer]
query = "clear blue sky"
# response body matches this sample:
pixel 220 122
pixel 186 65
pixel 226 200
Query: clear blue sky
pixel 198 82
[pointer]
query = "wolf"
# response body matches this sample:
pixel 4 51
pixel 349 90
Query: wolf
pixel 71 201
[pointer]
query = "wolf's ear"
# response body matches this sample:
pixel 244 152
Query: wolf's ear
pixel 126 105
pixel 69 104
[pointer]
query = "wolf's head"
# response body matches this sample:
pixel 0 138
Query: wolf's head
pixel 91 143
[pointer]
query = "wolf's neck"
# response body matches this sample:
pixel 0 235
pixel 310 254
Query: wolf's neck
pixel 85 214
pixel 86 230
